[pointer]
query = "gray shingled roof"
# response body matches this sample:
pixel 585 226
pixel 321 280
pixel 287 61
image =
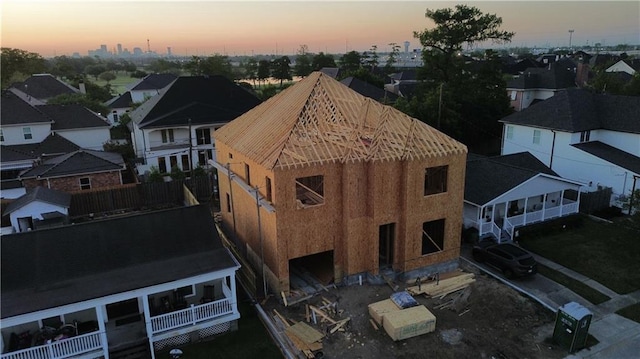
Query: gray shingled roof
pixel 557 77
pixel 154 82
pixel 204 100
pixel 369 90
pixel 84 261
pixel 77 162
pixel 122 101
pixel 15 111
pixel 489 177
pixel 611 154
pixel 40 194
pixel 576 110
pixel 44 86
pixel 68 117
pixel 51 145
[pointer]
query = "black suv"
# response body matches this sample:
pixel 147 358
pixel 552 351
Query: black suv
pixel 512 260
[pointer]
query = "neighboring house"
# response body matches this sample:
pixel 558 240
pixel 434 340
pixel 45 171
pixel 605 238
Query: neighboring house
pixel 519 66
pixel 138 92
pixel 368 90
pixel 79 125
pixel 333 72
pixel 589 138
pixel 355 187
pixel 11 188
pixel 403 83
pixel 39 88
pixel 175 128
pixel 537 84
pixel 22 123
pixel 118 106
pixel 79 170
pixel 39 207
pixel 505 192
pixel 629 66
pixel 154 281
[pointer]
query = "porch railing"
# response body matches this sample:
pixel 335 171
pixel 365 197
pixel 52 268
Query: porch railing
pixel 191 315
pixel 489 227
pixel 64 348
pixel 570 207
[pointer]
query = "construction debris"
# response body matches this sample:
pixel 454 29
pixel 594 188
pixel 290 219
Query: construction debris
pixel 442 287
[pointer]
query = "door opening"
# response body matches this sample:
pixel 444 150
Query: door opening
pixel 386 242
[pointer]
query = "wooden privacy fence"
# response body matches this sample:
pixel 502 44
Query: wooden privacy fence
pixel 139 195
pixel 594 201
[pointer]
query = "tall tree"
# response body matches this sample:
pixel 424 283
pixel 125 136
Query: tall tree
pixel 17 65
pixel 351 61
pixel 371 57
pixel 392 58
pixel 264 70
pixel 281 69
pixel 251 70
pixel 303 67
pixel 212 65
pixel 464 100
pixel 321 60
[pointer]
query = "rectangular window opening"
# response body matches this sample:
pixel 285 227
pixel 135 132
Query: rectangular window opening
pixel 509 132
pixel 85 183
pixel 228 203
pixel 435 180
pixel 267 181
pixel 309 191
pixel 536 137
pixel 26 131
pixel 433 236
pixel 167 136
pixel 162 165
pixel 247 174
pixel 203 136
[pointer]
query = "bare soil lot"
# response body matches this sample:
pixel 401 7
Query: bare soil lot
pixel 494 322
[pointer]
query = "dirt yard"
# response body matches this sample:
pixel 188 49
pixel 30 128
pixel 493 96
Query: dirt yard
pixel 494 322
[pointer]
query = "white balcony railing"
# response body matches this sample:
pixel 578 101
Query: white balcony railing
pixel 191 315
pixel 64 348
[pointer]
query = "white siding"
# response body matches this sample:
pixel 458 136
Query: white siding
pixel 522 141
pixel 14 135
pixel 34 210
pixel 628 142
pixel 89 138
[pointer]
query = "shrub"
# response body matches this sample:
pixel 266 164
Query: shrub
pixel 551 227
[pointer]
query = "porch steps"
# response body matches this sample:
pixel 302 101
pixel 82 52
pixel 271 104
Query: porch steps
pixel 139 351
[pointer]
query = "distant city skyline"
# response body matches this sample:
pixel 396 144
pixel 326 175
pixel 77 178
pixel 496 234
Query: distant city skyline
pixel 54 28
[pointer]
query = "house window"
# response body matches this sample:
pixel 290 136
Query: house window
pixel 509 132
pixel 162 165
pixel 204 156
pixel 173 162
pixel 267 181
pixel 115 116
pixel 435 180
pixel 536 137
pixel 185 163
pixel 228 203
pixel 585 136
pixel 203 136
pixel 26 131
pixel 230 155
pixel 85 183
pixel 186 291
pixel 167 136
pixel 432 236
pixel 309 191
pixel 514 94
pixel 1 135
pixel 247 174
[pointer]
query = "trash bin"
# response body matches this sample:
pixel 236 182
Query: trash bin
pixel 572 326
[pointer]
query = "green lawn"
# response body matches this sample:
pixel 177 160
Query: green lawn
pixel 605 252
pixel 576 286
pixel 632 312
pixel 251 340
pixel 118 85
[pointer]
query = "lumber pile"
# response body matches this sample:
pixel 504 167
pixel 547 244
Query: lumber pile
pixel 440 287
pixel 409 322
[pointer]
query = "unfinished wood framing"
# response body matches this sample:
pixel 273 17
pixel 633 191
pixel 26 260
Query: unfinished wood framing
pixel 372 160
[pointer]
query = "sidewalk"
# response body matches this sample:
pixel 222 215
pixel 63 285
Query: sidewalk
pixel 618 337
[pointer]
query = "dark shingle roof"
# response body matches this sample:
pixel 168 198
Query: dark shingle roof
pixel 154 82
pixel 576 110
pixel 204 100
pixel 58 266
pixel 369 90
pixel 67 117
pixel 122 101
pixel 611 154
pixel 334 72
pixel 489 177
pixel 52 145
pixel 15 111
pixel 77 162
pixel 44 86
pixel 556 77
pixel 40 194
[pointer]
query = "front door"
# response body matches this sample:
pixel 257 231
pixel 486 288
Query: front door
pixel 386 239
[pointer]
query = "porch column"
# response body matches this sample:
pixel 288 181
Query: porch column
pixel 578 202
pixel 561 201
pixel 103 332
pixel 544 206
pixel 524 218
pixel 147 323
pixel 233 292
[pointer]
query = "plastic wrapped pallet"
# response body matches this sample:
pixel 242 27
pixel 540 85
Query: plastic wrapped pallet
pixel 377 310
pixel 410 322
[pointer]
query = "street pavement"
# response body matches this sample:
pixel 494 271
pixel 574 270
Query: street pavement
pixel 619 337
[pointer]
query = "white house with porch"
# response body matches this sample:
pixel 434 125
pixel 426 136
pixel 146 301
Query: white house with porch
pixel 506 192
pixel 89 290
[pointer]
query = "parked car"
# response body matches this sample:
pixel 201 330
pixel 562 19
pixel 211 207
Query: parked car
pixel 509 258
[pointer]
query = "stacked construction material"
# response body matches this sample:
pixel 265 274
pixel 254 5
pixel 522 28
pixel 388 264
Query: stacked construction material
pixel 402 323
pixel 441 287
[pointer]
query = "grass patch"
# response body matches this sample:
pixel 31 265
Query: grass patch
pixel 576 286
pixel 604 252
pixel 631 312
pixel 119 85
pixel 251 340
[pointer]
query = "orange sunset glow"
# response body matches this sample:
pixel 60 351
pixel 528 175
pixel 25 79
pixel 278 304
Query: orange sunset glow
pixel 53 28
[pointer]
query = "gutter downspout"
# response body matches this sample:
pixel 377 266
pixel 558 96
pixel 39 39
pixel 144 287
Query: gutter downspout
pixel 553 146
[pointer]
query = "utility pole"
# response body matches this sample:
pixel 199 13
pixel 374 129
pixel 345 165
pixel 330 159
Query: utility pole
pixel 190 150
pixel 570 36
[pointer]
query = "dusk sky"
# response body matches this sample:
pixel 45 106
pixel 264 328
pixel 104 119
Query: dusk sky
pixel 202 28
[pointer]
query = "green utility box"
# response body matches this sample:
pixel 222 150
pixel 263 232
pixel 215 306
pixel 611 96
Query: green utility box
pixel 572 326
